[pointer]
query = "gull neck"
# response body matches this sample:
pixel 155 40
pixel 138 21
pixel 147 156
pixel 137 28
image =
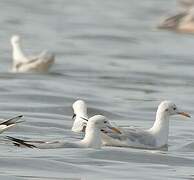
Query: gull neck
pixel 160 129
pixel 17 53
pixel 92 137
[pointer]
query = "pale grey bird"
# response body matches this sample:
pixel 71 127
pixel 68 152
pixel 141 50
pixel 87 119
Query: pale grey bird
pixel 154 138
pixel 21 63
pixel 92 138
pixel 183 20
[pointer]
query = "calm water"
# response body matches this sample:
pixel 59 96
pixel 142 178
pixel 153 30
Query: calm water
pixel 109 54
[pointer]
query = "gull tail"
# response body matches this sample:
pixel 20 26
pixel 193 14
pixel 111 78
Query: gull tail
pixel 19 142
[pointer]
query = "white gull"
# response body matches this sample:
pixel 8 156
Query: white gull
pixel 154 138
pixel 21 63
pixel 79 116
pixel 183 20
pixel 92 137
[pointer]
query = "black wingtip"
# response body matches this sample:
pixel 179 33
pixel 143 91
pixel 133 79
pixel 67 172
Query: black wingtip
pixel 12 120
pixel 18 116
pixel 20 142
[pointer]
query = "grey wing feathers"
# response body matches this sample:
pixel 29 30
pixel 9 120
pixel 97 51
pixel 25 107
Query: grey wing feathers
pixel 173 21
pixel 125 133
pixel 44 56
pixel 141 136
pixel 177 17
pixel 134 135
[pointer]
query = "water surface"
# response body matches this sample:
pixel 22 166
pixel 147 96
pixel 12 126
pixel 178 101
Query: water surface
pixel 110 54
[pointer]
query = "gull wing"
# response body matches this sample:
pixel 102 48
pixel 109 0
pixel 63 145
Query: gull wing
pixel 173 21
pixel 20 142
pixel 6 124
pixel 79 125
pixel 43 144
pixel 38 63
pixel 131 136
pixel 45 56
pixel 12 120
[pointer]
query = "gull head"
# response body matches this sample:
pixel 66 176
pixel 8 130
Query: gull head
pixel 101 122
pixel 79 108
pixel 15 39
pixel 169 108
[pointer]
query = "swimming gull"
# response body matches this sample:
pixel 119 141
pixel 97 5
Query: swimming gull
pixel 153 138
pixel 92 137
pixel 183 20
pixel 22 63
pixel 80 116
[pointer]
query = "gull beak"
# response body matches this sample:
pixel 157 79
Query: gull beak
pixel 74 115
pixel 184 114
pixel 114 129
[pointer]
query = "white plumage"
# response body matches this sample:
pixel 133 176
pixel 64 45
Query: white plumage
pixel 92 137
pixel 21 63
pixel 153 138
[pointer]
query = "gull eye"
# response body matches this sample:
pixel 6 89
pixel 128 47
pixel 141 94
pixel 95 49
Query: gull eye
pixel 166 109
pixel 174 108
pixel 105 122
pixel 84 124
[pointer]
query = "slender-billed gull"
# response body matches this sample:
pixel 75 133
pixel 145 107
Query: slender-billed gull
pixel 153 138
pixel 183 20
pixel 6 124
pixel 79 116
pixel 92 137
pixel 21 63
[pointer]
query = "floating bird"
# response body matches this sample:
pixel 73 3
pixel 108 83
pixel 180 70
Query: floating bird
pixel 80 116
pixel 153 138
pixel 7 124
pixel 92 137
pixel 183 21
pixel 21 63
